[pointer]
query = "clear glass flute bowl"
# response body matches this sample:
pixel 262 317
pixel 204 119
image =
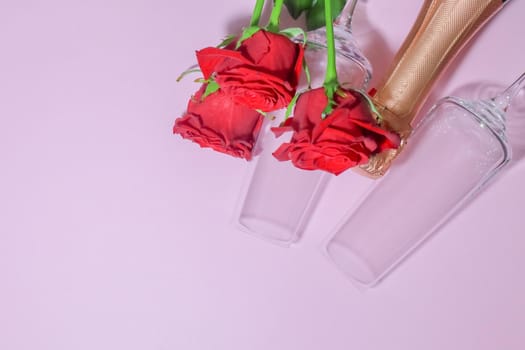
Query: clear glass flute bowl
pixel 353 68
pixel 453 153
pixel 277 199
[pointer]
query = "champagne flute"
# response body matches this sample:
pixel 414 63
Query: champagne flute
pixel 456 150
pixel 277 199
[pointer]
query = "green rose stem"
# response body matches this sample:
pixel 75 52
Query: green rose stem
pixel 273 23
pixel 257 11
pixel 331 84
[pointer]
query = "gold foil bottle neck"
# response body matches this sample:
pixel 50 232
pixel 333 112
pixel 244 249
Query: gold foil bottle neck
pixel 441 30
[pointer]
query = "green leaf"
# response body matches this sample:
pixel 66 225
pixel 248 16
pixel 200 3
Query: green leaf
pixel 294 32
pixel 212 87
pixel 315 14
pixel 264 114
pixel 186 72
pixel 373 109
pixel 226 41
pixel 341 93
pixel 247 33
pixel 297 7
pixel 330 90
pixel 290 106
pixel 307 73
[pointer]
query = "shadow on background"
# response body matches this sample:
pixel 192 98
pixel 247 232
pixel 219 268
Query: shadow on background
pixel 372 43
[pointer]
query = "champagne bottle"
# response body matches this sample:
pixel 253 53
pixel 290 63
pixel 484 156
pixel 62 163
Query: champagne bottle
pixel 441 30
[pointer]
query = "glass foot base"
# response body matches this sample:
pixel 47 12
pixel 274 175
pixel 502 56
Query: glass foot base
pixel 351 264
pixel 272 231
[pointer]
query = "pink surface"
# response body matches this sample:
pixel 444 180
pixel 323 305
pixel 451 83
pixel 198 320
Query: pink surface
pixel 114 234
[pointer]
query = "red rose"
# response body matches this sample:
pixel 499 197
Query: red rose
pixel 262 73
pixel 219 123
pixel 344 139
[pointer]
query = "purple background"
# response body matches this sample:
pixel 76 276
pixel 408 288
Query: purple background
pixel 115 234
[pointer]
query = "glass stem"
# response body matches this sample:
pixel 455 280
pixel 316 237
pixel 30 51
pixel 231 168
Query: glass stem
pixel 256 15
pixel 504 99
pixel 273 23
pixel 347 14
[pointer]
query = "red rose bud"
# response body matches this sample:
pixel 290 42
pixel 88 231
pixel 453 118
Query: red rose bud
pixel 261 74
pixel 219 123
pixel 344 139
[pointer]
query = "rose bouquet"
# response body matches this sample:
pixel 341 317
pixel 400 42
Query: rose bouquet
pixel 257 72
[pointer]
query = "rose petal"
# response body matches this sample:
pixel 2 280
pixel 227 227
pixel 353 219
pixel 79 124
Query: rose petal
pixel 212 59
pixel 218 123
